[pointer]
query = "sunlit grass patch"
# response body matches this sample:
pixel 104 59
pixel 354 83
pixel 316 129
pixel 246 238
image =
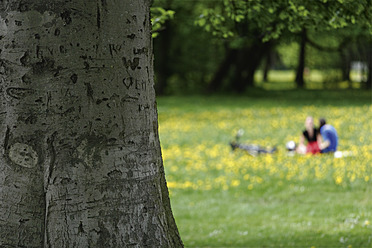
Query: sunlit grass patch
pixel 287 200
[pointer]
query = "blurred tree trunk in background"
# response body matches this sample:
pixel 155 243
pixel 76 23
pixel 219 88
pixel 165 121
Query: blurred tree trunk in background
pixel 239 67
pixel 222 70
pixel 345 64
pixel 80 156
pixel 247 63
pixel 163 60
pixel 369 67
pixel 268 63
pixel 301 60
pixel 210 46
pixel 162 55
pixel 364 54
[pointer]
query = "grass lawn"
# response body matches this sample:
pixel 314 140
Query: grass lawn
pixel 222 198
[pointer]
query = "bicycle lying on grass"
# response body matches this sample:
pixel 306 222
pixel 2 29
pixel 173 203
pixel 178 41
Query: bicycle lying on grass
pixel 252 149
pixel 291 147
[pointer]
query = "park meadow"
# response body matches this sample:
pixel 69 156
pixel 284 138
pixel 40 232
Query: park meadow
pixel 225 198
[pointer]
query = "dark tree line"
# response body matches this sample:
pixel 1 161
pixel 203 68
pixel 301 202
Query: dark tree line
pixel 218 46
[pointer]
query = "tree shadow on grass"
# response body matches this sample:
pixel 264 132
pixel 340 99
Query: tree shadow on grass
pixel 258 96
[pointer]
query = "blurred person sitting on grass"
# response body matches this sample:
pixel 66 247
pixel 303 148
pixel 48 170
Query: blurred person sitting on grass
pixel 312 136
pixel 329 138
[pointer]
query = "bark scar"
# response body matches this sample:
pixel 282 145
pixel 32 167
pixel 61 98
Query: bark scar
pixel 52 155
pixel 48 174
pixel 6 140
pixel 98 17
pixel 89 91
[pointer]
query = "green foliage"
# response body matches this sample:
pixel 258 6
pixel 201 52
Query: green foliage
pixel 288 52
pixel 159 17
pixel 196 39
pixel 191 55
pixel 275 17
pixel 214 23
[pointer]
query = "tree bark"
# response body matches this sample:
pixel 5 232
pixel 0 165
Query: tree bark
pixel 248 60
pixel 260 51
pixel 162 54
pixel 301 61
pixel 223 70
pixel 268 64
pixel 369 69
pixel 345 64
pixel 162 62
pixel 80 160
pixel 364 54
pixel 243 60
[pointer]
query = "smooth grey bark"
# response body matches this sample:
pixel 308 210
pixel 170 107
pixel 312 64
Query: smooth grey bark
pixel 80 160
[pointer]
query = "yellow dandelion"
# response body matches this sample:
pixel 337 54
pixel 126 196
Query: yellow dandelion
pixel 171 184
pixel 235 183
pixel 207 187
pixel 338 180
pixel 259 180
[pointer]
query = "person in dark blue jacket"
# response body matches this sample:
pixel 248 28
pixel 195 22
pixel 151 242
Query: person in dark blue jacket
pixel 329 137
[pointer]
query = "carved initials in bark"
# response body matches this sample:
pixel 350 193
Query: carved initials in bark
pixel 114 49
pixel 80 154
pixel 132 64
pixel 19 93
pixel 140 51
pixel 42 51
pixel 130 81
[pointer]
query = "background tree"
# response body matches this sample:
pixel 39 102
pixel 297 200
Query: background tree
pixel 270 19
pixel 80 156
pixel 333 51
pixel 161 24
pixel 185 57
pixel 245 49
pixel 239 31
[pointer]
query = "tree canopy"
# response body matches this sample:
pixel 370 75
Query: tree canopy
pixel 240 35
pixel 275 17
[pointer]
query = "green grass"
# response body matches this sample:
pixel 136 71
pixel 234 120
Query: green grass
pixel 231 199
pixel 314 79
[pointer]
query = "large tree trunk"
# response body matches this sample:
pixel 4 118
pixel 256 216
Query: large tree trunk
pixel 162 65
pixel 267 66
pixel 345 64
pixel 222 70
pixel 243 60
pixel 364 48
pixel 162 55
pixel 247 63
pixel 80 160
pixel 369 69
pixel 301 61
